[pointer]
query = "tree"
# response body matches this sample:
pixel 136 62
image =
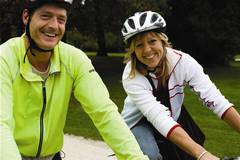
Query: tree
pixel 208 30
pixel 104 19
pixel 100 33
pixel 8 20
pixel 94 19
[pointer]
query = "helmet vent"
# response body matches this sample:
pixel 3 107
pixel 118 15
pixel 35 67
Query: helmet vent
pixel 154 18
pixel 124 30
pixel 131 24
pixel 143 19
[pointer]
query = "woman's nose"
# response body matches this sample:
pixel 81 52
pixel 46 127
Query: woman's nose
pixel 146 48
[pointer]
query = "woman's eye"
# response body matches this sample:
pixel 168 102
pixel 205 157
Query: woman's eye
pixel 138 45
pixel 152 41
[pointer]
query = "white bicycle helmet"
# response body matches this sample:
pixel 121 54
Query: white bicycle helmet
pixel 140 22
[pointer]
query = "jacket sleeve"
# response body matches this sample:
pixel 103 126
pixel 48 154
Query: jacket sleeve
pixel 91 92
pixel 201 84
pixel 8 146
pixel 139 91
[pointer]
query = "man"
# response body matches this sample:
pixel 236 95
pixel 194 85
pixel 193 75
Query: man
pixel 38 75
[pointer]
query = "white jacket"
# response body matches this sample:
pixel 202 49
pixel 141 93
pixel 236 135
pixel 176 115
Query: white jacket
pixel 183 70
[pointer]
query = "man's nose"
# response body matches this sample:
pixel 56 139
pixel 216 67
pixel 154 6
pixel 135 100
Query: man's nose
pixel 53 22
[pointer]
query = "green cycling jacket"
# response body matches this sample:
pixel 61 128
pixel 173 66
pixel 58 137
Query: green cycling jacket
pixel 33 111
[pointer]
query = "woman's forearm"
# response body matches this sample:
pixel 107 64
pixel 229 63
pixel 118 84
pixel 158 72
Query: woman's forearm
pixel 186 143
pixel 232 117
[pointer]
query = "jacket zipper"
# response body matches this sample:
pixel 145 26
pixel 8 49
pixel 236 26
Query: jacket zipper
pixel 41 120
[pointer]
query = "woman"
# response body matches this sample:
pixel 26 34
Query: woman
pixel 154 78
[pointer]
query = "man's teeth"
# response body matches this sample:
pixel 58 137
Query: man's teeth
pixel 50 34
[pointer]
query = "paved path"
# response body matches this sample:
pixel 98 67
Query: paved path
pixel 79 148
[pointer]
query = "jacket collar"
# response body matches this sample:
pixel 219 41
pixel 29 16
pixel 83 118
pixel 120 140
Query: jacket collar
pixel 173 56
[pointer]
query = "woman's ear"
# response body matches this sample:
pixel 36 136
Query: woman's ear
pixel 25 16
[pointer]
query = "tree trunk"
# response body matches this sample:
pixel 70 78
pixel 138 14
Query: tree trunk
pixel 102 51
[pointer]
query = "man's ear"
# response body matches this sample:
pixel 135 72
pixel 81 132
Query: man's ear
pixel 25 16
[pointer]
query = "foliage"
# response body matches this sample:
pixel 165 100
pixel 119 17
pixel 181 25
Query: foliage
pixel 132 6
pixel 97 22
pixel 114 43
pixel 9 20
pixel 105 18
pixel 209 30
pixel 81 40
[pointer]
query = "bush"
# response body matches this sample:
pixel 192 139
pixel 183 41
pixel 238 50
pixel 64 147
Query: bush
pixel 82 41
pixel 88 42
pixel 114 43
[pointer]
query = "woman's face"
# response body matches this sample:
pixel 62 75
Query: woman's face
pixel 149 49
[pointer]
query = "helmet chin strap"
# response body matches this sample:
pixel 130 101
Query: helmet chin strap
pixel 32 44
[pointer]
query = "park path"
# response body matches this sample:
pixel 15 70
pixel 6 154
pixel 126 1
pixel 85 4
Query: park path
pixel 79 148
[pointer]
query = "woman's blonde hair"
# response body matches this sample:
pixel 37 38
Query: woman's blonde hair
pixel 162 70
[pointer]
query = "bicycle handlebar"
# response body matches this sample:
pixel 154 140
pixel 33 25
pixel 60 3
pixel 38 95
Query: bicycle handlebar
pixel 227 158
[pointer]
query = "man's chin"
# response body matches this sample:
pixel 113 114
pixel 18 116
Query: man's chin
pixel 49 47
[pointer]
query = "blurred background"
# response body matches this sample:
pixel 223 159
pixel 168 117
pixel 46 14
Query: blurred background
pixel 209 30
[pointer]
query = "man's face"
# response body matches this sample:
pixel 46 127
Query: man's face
pixel 47 26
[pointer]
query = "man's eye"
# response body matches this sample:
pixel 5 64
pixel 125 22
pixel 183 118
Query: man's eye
pixel 62 20
pixel 44 16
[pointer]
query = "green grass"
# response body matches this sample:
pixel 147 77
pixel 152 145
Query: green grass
pixel 93 54
pixel 220 138
pixel 237 56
